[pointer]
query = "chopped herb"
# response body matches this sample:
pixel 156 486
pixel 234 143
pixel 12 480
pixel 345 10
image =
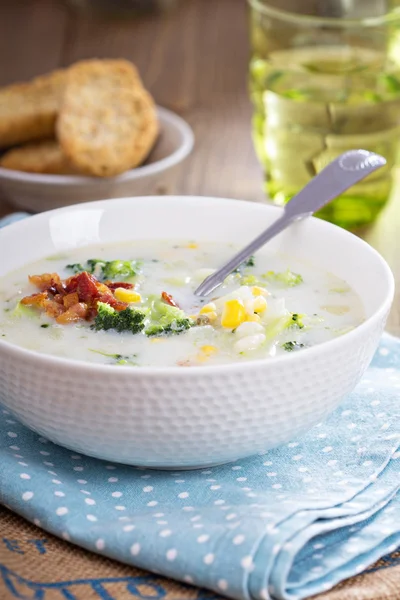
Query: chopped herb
pixel 59 256
pixel 45 325
pixel 297 320
pixel 119 359
pixel 290 346
pixel 250 262
pixel 114 356
pixel 76 268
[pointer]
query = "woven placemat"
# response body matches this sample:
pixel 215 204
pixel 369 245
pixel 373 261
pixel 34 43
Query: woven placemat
pixel 35 565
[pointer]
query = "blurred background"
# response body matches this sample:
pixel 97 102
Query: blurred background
pixel 193 57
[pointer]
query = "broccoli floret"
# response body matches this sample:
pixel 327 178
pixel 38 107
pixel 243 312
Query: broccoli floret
pixel 159 319
pixel 287 278
pixel 120 269
pixel 125 320
pixel 175 327
pixel 105 317
pixel 92 263
pixel 166 319
pixel 290 346
pixel 75 267
pixel 104 270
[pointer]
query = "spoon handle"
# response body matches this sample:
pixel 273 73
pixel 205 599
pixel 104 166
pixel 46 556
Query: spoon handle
pixel 343 172
pixel 214 280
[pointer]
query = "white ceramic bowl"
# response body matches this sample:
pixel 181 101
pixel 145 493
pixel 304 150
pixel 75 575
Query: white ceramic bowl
pixel 37 193
pixel 194 416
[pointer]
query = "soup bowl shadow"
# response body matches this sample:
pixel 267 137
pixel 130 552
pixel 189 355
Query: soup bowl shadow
pixel 189 417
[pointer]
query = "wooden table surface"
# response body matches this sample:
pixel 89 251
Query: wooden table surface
pixel 194 61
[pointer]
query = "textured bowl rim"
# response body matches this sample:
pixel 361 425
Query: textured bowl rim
pixel 177 156
pixel 21 353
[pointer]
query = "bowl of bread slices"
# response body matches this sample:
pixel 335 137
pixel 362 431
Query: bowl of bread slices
pixel 88 132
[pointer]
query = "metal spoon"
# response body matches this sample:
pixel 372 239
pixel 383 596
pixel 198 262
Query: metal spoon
pixel 346 170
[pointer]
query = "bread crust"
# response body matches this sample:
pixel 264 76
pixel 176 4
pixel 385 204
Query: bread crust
pixel 107 122
pixel 28 111
pixel 38 157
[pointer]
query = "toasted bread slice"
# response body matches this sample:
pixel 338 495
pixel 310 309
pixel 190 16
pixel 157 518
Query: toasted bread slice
pixel 38 157
pixel 107 122
pixel 28 111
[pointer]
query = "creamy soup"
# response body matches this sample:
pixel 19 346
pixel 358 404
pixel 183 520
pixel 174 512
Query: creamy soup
pixel 133 305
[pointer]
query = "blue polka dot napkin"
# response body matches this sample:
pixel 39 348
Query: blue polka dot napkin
pixel 287 524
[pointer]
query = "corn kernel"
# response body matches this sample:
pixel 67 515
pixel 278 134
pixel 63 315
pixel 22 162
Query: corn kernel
pixel 260 304
pixel 233 314
pixel 192 246
pixel 127 295
pixel 202 357
pixel 253 318
pixel 209 350
pixel 258 291
pixel 207 308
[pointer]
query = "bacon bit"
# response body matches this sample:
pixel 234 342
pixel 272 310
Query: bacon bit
pixel 118 305
pixel 122 284
pixel 45 281
pixel 106 297
pixel 109 299
pixel 169 299
pixel 59 298
pixel 53 309
pixel 75 313
pixel 57 289
pixel 91 313
pixel 85 285
pixel 35 299
pixel 75 298
pixel 70 299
